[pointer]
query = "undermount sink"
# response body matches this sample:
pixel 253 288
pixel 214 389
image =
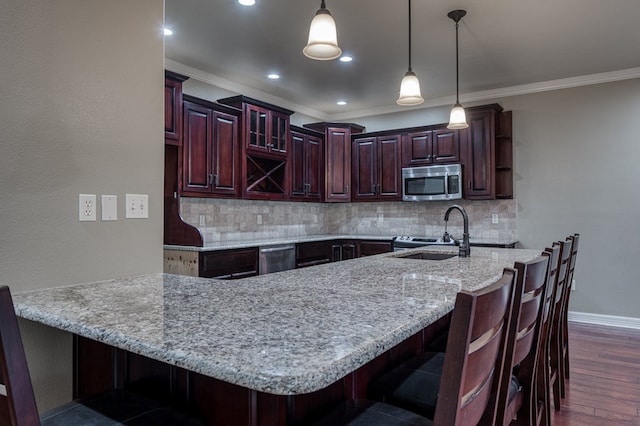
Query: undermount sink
pixel 428 256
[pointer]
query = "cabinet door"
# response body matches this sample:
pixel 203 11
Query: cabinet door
pixel 369 248
pixel 197 157
pixel 313 253
pixel 256 128
pixel 298 165
pixel 389 182
pixel 279 125
pixel 229 264
pixel 314 167
pixel 364 169
pixel 225 153
pixel 446 146
pixel 337 164
pixel 479 165
pixel 416 149
pixel 172 111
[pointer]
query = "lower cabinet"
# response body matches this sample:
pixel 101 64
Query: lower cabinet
pixel 319 252
pixel 228 264
pixel 371 247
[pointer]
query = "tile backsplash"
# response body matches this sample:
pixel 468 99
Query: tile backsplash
pixel 226 219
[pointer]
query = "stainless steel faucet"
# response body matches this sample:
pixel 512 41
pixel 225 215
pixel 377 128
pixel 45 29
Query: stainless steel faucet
pixel 464 248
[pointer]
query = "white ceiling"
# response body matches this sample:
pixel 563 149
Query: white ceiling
pixel 506 47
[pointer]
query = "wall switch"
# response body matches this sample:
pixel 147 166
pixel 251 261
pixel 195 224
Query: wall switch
pixel 494 218
pixel 109 207
pixel 87 207
pixel 136 206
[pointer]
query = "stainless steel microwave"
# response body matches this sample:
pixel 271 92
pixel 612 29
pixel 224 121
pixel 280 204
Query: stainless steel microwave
pixel 432 183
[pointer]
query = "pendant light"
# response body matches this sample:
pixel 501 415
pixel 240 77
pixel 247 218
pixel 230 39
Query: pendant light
pixel 410 86
pixel 323 40
pixel 458 118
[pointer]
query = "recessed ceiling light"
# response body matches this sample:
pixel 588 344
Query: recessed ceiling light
pixel 273 76
pixel 247 2
pixel 167 31
pixel 346 58
pixel 341 103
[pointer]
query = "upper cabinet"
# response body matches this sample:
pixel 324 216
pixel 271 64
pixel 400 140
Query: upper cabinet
pixel 487 153
pixel 432 146
pixel 265 135
pixel 173 107
pixel 210 155
pixel 337 159
pixel 376 168
pixel 306 164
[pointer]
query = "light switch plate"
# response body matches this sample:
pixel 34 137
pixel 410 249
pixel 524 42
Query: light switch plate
pixel 87 207
pixel 136 206
pixel 109 208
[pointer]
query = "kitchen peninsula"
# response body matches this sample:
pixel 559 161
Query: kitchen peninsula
pixel 270 349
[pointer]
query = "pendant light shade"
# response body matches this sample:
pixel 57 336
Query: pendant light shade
pixel 458 118
pixel 323 39
pixel 410 86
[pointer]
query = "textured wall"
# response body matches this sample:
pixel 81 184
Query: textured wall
pixel 81 112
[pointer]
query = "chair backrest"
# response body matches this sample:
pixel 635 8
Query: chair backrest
pixel 571 267
pixel 474 352
pixel 562 286
pixel 19 404
pixel 523 337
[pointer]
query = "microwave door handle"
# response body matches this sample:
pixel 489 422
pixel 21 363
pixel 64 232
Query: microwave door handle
pixel 446 184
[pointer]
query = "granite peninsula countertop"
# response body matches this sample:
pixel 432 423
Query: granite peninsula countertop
pixel 286 333
pixel 234 244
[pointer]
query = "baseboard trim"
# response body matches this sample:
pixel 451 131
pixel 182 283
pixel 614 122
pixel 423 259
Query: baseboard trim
pixel 610 320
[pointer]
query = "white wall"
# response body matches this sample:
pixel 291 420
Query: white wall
pixel 81 112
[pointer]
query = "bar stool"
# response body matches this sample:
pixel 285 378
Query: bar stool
pixel 18 405
pixel 463 379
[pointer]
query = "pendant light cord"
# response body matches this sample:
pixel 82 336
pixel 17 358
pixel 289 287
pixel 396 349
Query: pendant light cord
pixel 410 35
pixel 457 88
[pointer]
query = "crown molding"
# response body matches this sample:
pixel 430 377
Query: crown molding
pixel 485 95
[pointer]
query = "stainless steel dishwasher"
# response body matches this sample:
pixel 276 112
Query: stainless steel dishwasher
pixel 276 258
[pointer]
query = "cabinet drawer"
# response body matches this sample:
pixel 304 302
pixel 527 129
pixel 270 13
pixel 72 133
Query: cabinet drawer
pixel 229 264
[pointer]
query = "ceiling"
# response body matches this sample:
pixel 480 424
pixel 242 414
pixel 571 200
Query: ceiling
pixel 506 47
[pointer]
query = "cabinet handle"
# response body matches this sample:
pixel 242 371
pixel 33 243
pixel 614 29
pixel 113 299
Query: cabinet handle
pixel 210 179
pixel 216 180
pixel 347 188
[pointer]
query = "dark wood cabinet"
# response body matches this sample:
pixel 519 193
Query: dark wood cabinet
pixel 210 149
pixel 228 264
pixel 371 247
pixel 376 168
pixel 314 253
pixel 173 107
pixel 488 153
pixel 265 139
pixel 306 164
pixel 434 146
pixel 343 250
pixel 337 159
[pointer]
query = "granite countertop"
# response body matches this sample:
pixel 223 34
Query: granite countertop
pixel 284 333
pixel 225 245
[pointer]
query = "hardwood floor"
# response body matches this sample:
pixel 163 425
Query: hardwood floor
pixel 604 388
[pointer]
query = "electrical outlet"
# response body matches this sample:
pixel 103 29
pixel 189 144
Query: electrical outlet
pixel 202 220
pixel 573 285
pixel 86 207
pixel 494 218
pixel 136 206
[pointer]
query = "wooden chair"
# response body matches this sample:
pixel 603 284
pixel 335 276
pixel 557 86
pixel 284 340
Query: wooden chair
pixel 556 377
pixel 516 398
pixel 463 379
pixel 565 306
pixel 18 405
pixel 542 412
